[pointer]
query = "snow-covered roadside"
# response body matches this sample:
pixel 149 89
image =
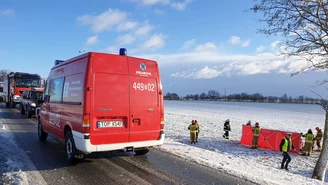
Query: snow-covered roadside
pixel 16 167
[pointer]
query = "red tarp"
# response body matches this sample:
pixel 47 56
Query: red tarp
pixel 269 139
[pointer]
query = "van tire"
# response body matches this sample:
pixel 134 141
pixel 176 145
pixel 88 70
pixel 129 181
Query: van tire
pixel 12 104
pixel 142 151
pixel 28 112
pixel 42 134
pixel 22 111
pixel 7 104
pixel 70 148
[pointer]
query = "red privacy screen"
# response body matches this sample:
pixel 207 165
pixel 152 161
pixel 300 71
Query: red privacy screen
pixel 269 139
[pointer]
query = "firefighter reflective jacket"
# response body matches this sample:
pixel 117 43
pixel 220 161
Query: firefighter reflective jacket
pixel 286 144
pixel 308 137
pixel 319 135
pixel 256 131
pixel 197 126
pixel 192 128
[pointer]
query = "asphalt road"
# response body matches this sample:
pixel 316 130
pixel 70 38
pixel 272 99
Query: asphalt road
pixel 157 167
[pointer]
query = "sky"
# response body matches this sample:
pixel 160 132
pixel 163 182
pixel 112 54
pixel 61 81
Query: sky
pixel 261 166
pixel 200 45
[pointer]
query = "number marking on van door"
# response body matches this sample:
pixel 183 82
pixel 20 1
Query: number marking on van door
pixel 143 87
pixel 105 124
pixel 54 119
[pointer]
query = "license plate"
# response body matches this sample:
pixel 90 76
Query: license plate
pixel 105 124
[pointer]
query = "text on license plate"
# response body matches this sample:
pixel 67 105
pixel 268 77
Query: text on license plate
pixel 104 124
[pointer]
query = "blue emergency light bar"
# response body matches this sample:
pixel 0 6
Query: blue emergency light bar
pixel 123 51
pixel 59 62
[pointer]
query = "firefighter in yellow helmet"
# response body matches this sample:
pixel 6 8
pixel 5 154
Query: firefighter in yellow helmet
pixel 256 132
pixel 318 138
pixel 309 137
pixel 193 130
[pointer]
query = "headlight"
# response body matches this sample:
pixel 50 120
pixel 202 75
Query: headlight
pixel 33 104
pixel 16 97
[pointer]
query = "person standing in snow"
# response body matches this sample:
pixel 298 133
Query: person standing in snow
pixel 256 132
pixel 318 138
pixel 285 145
pixel 198 130
pixel 309 137
pixel 193 130
pixel 226 128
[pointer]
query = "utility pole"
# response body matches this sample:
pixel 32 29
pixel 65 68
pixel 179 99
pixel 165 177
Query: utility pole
pixel 225 94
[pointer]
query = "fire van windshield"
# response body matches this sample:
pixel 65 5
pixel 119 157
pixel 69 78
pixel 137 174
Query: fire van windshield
pixel 27 82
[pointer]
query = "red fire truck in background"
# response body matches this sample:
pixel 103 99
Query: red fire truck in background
pixel 17 82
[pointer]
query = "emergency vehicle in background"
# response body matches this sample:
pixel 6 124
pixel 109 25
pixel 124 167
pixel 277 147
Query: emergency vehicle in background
pixel 103 102
pixel 17 82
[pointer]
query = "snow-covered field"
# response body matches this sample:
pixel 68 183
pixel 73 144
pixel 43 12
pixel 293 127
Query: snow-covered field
pixel 261 166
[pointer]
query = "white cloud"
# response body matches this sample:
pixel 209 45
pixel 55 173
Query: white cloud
pixel 188 44
pixel 207 47
pixel 176 5
pixel 275 44
pixel 181 5
pixel 155 42
pixel 234 40
pixel 246 43
pixel 204 73
pixel 92 40
pixel 260 49
pixel 125 39
pixel 207 73
pixel 128 25
pixel 7 12
pixel 144 30
pixel 104 21
pixel 151 2
pixel 228 64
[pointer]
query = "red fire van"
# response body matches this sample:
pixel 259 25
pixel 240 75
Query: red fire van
pixel 103 102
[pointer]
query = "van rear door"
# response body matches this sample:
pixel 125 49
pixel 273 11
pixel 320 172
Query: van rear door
pixel 109 120
pixel 144 100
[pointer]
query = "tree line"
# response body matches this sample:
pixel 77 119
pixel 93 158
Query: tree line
pixel 213 95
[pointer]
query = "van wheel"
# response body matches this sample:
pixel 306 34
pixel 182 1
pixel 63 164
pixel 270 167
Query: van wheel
pixel 7 104
pixel 142 151
pixel 22 111
pixel 28 112
pixel 70 148
pixel 42 134
pixel 12 104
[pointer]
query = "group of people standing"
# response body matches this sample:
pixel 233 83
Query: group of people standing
pixel 310 141
pixel 194 130
pixel 285 145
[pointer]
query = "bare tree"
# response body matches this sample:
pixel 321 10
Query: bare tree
pixel 213 94
pixel 304 27
pixel 3 74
